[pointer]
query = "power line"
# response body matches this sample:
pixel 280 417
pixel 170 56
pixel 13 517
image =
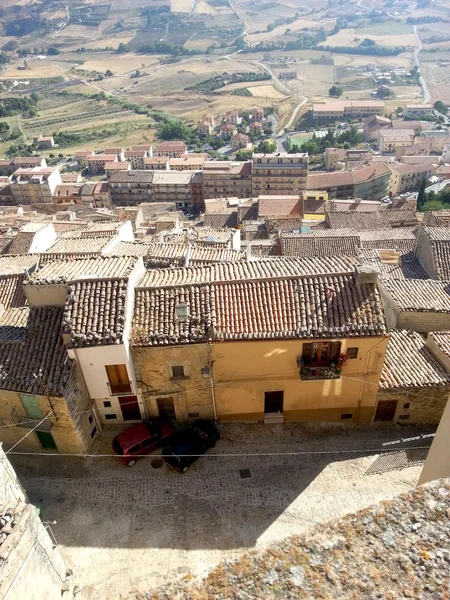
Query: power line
pixel 230 455
pixel 28 433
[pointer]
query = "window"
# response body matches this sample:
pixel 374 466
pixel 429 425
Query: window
pixel 193 415
pixel 147 442
pixel 107 404
pixel 118 379
pixel 406 405
pixel 346 416
pixel 178 371
pixel 134 449
pixel 90 419
pixel 110 417
pixel 352 352
pixel 403 417
pixel 93 432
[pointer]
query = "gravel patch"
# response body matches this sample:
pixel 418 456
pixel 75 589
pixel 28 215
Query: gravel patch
pixel 394 550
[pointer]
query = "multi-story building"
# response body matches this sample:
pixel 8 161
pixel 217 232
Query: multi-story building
pixel 29 186
pixel 183 188
pixel 369 183
pixel 227 130
pixel 339 158
pixel 186 163
pixel 438 139
pixel 28 162
pixel 232 117
pixel 136 158
pixel 346 109
pixel 279 174
pixel 96 164
pixel 405 177
pixel 156 163
pixel 257 113
pixel 391 139
pixel 204 128
pixel 117 151
pixel 238 141
pixel 130 188
pixel 81 158
pixel 102 195
pixel 115 167
pixel 145 147
pixel 44 143
pixel 372 127
pixel 172 149
pixel 227 179
pixel 255 127
pixel 418 110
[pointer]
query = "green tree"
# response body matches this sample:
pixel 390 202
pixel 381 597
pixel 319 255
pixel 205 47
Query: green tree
pixel 108 73
pixel 421 194
pixel 440 107
pixel 335 91
pixel 123 48
pixel 432 205
pixel 267 146
pixel 4 127
pixel 53 51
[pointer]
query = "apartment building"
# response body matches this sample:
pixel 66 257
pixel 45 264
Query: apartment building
pixel 279 174
pixel 227 130
pixel 183 188
pixel 136 158
pixel 438 138
pixel 370 182
pixel 204 128
pixel 96 164
pixel 81 158
pixel 117 151
pixel 240 140
pixel 44 143
pixel 227 179
pixel 129 188
pixel 172 149
pixel 338 158
pixel 346 109
pixel 115 167
pixel 372 127
pixel 232 116
pixel 36 185
pixel 187 163
pixel 156 163
pixel 418 110
pixel 257 114
pixel 405 177
pixel 28 162
pixel 389 140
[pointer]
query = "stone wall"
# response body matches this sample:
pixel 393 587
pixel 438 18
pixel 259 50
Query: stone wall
pixel 31 565
pixel 426 405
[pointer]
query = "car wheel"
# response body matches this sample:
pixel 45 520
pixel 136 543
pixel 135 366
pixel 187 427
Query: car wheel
pixel 130 463
pixel 184 470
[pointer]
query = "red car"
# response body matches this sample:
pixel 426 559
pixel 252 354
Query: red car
pixel 140 439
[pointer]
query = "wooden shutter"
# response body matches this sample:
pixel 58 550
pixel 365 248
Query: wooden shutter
pixel 122 374
pixel 335 351
pixel 112 374
pixel 306 353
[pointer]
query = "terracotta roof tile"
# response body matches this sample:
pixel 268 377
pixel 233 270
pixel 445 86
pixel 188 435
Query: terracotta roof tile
pixel 320 243
pixel 408 363
pixel 11 291
pixel 384 239
pixel 94 313
pixel 308 307
pixel 358 220
pixel 16 265
pixel 13 324
pixel 42 350
pixel 74 269
pixel 442 340
pixel 129 249
pixel 419 295
pixel 21 243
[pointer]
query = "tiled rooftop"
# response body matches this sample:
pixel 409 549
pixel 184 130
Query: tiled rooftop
pixel 130 249
pixel 200 235
pixel 197 253
pixel 320 243
pixel 408 363
pixel 71 269
pixel 11 291
pixel 21 243
pixel 442 340
pixel 358 220
pixel 293 308
pixel 248 271
pixel 401 217
pixel 13 324
pixel 78 245
pixel 42 350
pixel 419 295
pixel 16 265
pixel 398 238
pixel 94 314
pixel 408 266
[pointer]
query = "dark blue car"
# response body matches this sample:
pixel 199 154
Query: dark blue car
pixel 185 446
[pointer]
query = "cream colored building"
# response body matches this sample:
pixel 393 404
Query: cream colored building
pixel 346 109
pixel 408 177
pixel 37 185
pixel 279 174
pixel 389 140
pixel 418 110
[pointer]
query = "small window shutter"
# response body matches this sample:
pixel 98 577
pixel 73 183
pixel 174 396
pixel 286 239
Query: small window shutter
pixel 335 351
pixel 306 354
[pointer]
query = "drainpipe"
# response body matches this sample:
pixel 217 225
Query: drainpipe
pixel 363 380
pixel 213 393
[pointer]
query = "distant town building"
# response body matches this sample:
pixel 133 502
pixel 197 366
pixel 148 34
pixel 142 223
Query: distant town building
pixel 172 149
pixel 279 174
pixel 29 186
pixel 346 109
pixel 44 143
pixel 239 140
pixel 288 74
pixel 418 110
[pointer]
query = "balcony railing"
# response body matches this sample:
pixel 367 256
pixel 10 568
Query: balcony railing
pixel 322 372
pixel 118 389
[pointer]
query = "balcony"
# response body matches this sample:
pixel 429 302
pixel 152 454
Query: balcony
pixel 322 372
pixel 120 388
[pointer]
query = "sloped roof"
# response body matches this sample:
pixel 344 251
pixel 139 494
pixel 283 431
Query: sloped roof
pixel 94 313
pixel 73 269
pixel 281 308
pixel 11 291
pixel 358 220
pixel 384 239
pixel 320 243
pixel 408 363
pixel 442 340
pixel 419 295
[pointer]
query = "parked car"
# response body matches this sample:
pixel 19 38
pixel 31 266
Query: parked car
pixel 185 446
pixel 142 438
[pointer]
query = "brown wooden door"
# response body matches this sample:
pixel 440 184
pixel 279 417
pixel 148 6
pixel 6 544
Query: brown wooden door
pixel 129 406
pixel 273 402
pixel 166 409
pixel 386 410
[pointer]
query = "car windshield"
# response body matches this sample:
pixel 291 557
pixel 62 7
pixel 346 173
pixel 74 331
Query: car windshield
pixel 117 447
pixel 153 428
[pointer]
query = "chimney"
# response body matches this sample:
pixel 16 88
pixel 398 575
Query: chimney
pixel 366 274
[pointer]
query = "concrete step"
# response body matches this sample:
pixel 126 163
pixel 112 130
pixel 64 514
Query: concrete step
pixel 273 418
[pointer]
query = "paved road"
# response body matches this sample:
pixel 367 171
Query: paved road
pixel 416 52
pixel 123 529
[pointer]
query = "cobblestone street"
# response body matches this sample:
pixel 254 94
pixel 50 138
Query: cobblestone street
pixel 127 529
